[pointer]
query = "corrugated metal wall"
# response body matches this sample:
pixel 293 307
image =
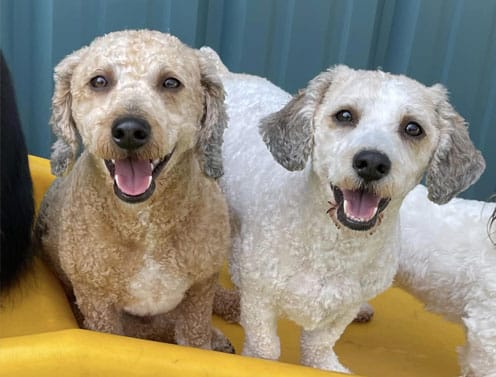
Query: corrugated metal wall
pixel 288 41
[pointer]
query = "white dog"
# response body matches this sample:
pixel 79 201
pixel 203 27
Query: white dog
pixel 316 218
pixel 448 261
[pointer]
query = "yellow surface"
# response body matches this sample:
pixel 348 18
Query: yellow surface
pixel 39 337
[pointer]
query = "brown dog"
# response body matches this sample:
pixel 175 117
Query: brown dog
pixel 137 227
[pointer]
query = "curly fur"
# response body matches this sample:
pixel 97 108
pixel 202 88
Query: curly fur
pixel 447 261
pixel 147 269
pixel 288 133
pixel 289 258
pixel 447 176
pixel 16 195
pixel 66 147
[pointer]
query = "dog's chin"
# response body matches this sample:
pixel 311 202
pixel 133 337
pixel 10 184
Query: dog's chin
pixel 134 198
pixel 359 209
pixel 134 179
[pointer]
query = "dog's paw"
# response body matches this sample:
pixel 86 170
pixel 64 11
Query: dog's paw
pixel 365 314
pixel 467 372
pixel 220 342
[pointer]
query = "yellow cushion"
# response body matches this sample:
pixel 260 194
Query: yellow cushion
pixel 39 337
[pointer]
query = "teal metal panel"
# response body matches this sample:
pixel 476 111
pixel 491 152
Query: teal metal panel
pixel 288 41
pixel 25 26
pixel 452 42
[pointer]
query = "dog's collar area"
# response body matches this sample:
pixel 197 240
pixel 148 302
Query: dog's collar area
pixel 134 180
pixel 357 209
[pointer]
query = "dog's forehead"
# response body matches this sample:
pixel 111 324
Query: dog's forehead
pixel 141 48
pixel 376 86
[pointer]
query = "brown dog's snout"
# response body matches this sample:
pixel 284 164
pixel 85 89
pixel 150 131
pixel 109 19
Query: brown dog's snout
pixel 371 165
pixel 131 133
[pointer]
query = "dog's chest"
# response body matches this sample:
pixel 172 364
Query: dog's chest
pixel 314 296
pixel 157 285
pixel 155 289
pixel 322 279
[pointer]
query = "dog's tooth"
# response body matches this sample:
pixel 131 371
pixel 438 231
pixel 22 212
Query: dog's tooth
pixel 346 206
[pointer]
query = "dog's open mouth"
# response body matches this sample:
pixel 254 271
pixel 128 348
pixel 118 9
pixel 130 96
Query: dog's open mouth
pixel 357 209
pixel 134 179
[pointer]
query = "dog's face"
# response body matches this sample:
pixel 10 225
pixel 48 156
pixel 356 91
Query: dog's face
pixel 138 100
pixel 372 136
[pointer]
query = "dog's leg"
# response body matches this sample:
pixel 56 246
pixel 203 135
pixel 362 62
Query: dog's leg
pixel 220 342
pixel 159 328
pixel 464 359
pixel 259 321
pixel 226 304
pixel 98 313
pixel 317 346
pixel 193 326
pixel 477 356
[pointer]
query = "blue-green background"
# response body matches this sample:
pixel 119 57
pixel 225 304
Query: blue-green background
pixel 287 41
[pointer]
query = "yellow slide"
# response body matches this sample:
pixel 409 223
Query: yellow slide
pixel 39 337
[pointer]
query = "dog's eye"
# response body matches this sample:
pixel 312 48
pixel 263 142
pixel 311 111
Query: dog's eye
pixel 413 129
pixel 171 83
pixel 99 82
pixel 344 116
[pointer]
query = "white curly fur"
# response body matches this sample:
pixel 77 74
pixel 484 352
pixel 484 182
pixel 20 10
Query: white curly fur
pixel 291 258
pixel 447 261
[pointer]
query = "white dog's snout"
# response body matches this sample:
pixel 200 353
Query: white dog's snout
pixel 371 165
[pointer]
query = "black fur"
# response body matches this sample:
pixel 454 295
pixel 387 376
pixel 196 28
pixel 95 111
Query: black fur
pixel 16 195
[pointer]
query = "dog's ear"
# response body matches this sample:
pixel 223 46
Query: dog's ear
pixel 66 147
pixel 214 120
pixel 288 133
pixel 456 163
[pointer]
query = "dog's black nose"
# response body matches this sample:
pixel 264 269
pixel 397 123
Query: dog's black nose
pixel 371 165
pixel 131 133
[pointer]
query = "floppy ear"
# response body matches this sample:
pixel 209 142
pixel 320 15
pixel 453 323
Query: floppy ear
pixel 456 163
pixel 66 147
pixel 288 133
pixel 211 55
pixel 214 120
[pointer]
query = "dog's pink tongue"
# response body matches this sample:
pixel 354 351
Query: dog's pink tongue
pixel 133 177
pixel 360 205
